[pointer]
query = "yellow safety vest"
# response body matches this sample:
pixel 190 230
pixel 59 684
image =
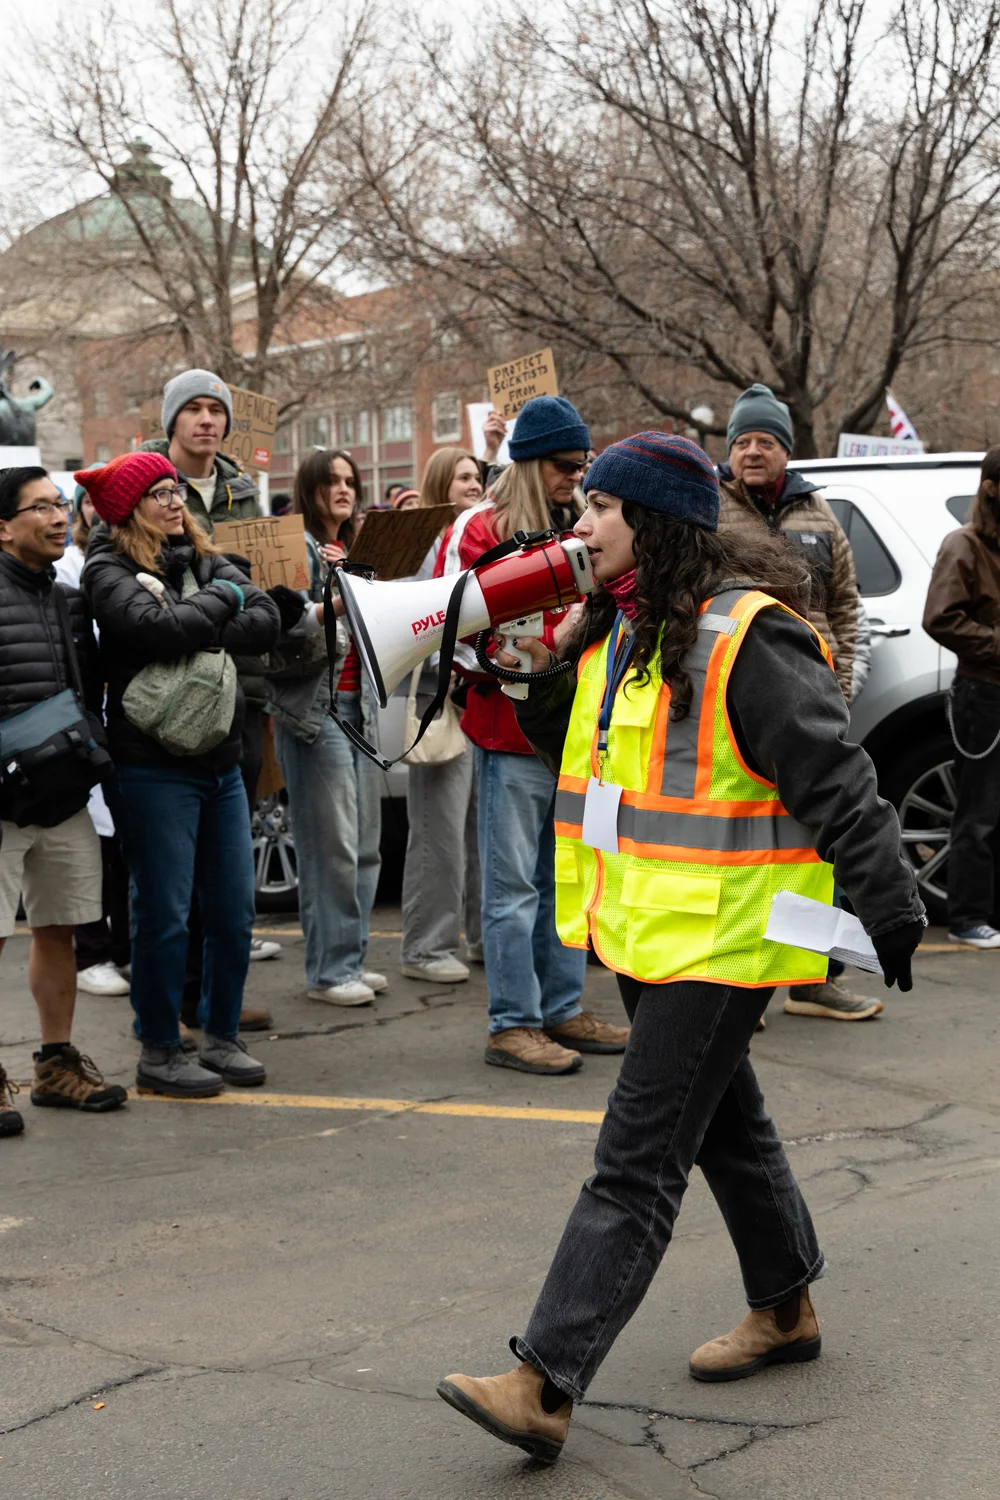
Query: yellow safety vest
pixel 704 843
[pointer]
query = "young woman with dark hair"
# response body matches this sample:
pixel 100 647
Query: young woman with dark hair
pixel 334 792
pixel 161 590
pixel 704 767
pixel 963 615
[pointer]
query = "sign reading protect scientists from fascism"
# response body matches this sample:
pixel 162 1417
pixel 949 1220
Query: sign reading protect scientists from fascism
pixel 513 384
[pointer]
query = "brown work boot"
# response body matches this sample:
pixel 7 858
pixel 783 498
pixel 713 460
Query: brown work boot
pixel 510 1407
pixel 11 1119
pixel 829 1001
pixel 71 1081
pixel 587 1034
pixel 787 1334
pixel 528 1049
pixel 255 1019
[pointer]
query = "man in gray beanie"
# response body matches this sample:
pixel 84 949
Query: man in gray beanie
pixel 758 488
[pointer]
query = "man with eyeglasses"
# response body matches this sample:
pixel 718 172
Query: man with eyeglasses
pixel 197 417
pixel 55 867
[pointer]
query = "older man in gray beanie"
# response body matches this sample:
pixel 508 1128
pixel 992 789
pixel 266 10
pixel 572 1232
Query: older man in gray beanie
pixel 757 488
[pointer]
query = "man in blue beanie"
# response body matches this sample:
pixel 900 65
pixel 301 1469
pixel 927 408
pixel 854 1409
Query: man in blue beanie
pixel 758 488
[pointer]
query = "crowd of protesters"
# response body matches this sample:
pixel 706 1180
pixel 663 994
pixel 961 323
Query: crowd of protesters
pixel 135 864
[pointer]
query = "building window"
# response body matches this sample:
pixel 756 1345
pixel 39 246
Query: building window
pixel 447 418
pixel 133 403
pixel 316 432
pixel 397 424
pixel 103 453
pixel 100 401
pixel 363 428
pixel 283 440
pixel 346 430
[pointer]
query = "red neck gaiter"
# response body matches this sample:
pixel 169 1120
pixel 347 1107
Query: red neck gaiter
pixel 622 591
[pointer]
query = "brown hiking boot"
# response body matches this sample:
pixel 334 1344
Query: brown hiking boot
pixel 528 1049
pixel 11 1119
pixel 71 1081
pixel 830 1001
pixel 255 1020
pixel 587 1034
pixel 761 1340
pixel 510 1407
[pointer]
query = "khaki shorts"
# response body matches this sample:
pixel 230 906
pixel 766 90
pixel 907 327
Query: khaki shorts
pixel 57 870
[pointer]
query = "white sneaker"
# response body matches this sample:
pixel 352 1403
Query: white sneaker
pixel 375 982
pixel 102 979
pixel 351 992
pixel 260 949
pixel 443 970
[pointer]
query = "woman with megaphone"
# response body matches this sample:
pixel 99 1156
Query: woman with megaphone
pixel 536 1022
pixel 704 768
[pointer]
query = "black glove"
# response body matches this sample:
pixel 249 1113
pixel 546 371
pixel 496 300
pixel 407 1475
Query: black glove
pixel 291 606
pixel 894 950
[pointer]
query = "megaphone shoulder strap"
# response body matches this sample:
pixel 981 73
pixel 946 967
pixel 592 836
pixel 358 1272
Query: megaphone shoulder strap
pixel 447 649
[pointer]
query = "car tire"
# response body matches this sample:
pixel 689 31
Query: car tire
pixel 921 787
pixel 275 874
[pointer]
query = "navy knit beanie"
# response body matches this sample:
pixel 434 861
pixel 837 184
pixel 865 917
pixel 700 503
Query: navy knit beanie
pixel 547 424
pixel 662 472
pixel 758 409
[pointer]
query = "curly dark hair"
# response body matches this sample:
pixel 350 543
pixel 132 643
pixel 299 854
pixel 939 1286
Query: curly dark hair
pixel 678 566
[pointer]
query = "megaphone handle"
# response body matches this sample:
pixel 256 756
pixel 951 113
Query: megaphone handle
pixel 517 689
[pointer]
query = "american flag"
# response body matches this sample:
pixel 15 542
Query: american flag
pixel 902 427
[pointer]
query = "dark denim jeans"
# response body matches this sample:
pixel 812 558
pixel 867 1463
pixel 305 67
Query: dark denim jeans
pixel 971 878
pixel 186 833
pixel 686 1094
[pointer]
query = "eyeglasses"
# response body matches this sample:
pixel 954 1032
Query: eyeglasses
pixel 568 465
pixel 46 509
pixel 176 495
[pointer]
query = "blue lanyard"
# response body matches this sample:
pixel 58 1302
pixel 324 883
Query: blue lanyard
pixel 617 666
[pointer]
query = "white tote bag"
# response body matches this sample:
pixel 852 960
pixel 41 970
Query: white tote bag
pixel 443 739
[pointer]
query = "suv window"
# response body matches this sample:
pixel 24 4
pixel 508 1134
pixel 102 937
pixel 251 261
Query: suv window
pixel 960 505
pixel 877 573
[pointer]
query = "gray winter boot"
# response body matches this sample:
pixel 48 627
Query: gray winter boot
pixel 232 1060
pixel 171 1070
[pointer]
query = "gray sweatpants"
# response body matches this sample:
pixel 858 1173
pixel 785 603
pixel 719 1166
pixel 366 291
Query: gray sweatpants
pixel 441 877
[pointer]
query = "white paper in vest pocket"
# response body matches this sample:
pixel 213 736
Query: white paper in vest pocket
pixel 803 923
pixel 600 816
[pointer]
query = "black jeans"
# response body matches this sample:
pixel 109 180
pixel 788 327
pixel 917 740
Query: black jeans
pixel 686 1094
pixel 976 712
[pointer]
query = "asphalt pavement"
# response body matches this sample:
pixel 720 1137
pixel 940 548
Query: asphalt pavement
pixel 252 1299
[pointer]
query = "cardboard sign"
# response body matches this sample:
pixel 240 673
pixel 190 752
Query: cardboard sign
pixel 275 545
pixel 514 384
pixel 252 437
pixel 395 542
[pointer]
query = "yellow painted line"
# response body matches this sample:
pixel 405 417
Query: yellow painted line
pixel 386 1106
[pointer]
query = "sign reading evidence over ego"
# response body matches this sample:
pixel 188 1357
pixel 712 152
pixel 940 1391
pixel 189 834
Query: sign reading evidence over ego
pixel 513 384
pixel 252 438
pixel 275 545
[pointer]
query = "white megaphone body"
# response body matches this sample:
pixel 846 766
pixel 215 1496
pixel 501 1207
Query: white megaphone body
pixel 397 625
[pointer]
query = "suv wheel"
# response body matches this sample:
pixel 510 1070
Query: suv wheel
pixel 922 788
pixel 276 879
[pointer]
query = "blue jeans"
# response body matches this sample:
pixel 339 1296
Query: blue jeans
pixel 335 799
pixel 186 833
pixel 686 1094
pixel 532 979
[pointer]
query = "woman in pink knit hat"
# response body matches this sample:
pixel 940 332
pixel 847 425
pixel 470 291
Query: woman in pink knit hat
pixel 160 590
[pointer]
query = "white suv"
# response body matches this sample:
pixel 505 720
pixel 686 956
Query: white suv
pixel 896 511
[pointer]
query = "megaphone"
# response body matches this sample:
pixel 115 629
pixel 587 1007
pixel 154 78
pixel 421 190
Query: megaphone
pixel 397 625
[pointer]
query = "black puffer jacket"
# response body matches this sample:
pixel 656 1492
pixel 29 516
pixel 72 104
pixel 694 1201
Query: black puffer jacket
pixel 136 630
pixel 34 663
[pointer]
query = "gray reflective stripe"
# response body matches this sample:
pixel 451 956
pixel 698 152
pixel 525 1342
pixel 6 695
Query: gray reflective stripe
pixel 569 807
pixel 644 825
pixel 680 759
pixel 721 624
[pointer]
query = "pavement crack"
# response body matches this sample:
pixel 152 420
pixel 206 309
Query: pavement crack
pixel 368 1023
pixel 101 1390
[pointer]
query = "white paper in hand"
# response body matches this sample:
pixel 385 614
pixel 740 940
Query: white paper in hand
pixel 802 923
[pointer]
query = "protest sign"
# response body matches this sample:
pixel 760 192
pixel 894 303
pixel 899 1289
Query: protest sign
pixel 275 546
pixel 863 445
pixel 395 542
pixel 252 436
pixel 478 412
pixel 513 384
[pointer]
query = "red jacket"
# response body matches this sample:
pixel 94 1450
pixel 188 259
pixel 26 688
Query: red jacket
pixel 489 719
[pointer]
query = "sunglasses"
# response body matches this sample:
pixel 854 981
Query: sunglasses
pixel 569 465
